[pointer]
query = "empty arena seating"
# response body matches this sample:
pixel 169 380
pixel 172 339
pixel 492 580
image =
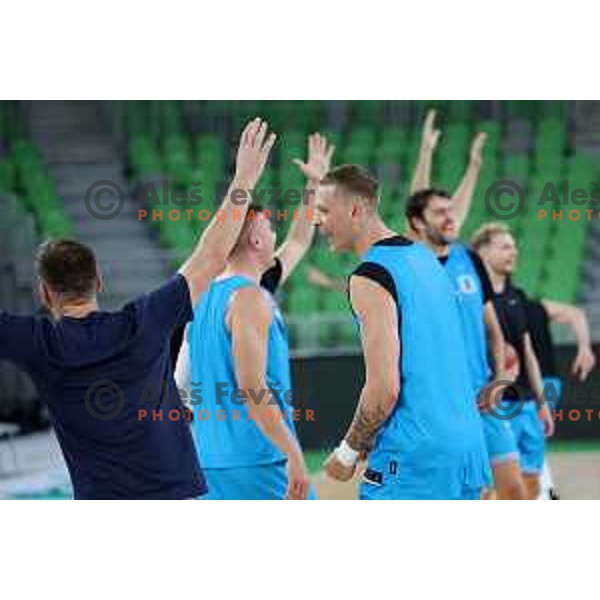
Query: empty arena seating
pixel 191 144
pixel 528 143
pixel 24 175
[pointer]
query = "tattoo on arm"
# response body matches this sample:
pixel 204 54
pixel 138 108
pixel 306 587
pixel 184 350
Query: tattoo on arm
pixel 365 425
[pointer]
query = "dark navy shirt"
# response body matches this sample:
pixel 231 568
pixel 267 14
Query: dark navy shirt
pixel 98 374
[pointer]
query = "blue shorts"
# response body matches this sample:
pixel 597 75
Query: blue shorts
pixel 395 478
pixel 529 435
pixel 263 482
pixel 499 439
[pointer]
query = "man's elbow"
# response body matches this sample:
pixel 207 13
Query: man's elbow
pixel 387 393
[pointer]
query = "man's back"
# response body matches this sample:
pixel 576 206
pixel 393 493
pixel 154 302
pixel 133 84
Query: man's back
pixel 98 374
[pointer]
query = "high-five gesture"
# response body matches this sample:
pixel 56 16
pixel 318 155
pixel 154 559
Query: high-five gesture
pixel 208 258
pixel 302 229
pixel 253 153
pixel 319 158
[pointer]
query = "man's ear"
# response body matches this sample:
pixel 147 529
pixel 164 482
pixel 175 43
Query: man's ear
pixel 45 295
pixel 415 224
pixel 99 283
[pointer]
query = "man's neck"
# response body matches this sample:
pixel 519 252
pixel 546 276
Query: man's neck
pixel 375 231
pixel 498 281
pixel 440 250
pixel 246 268
pixel 75 311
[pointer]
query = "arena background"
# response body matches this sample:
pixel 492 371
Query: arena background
pixel 53 153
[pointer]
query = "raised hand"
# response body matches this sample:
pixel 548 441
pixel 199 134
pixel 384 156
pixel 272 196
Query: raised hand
pixel 253 153
pixel 319 157
pixel 477 148
pixel 430 135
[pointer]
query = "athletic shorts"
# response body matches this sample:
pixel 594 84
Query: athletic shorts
pixel 499 439
pixel 528 430
pixel 392 477
pixel 262 482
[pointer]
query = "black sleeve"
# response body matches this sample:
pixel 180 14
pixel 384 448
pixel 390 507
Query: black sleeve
pixel 379 275
pixel 271 278
pixel 486 284
pixel 176 343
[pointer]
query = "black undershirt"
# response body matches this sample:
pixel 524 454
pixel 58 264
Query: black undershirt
pixel 511 308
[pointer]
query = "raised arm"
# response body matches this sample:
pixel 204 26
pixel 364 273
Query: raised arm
pixel 576 319
pixel 378 318
pixel 429 138
pixel 216 243
pixel 249 320
pixel 302 230
pixel 463 196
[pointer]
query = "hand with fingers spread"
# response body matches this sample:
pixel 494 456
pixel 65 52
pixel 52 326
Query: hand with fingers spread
pixel 477 148
pixel 319 158
pixel 253 153
pixel 430 135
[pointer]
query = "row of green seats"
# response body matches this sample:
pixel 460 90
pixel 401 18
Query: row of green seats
pixel 23 173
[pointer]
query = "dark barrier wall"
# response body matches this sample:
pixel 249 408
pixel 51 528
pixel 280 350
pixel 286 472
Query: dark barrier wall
pixel 330 387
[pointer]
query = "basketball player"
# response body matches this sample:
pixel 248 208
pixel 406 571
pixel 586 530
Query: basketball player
pixel 533 422
pixel 436 219
pixel 238 341
pixel 416 417
pixel 84 360
pixel 540 313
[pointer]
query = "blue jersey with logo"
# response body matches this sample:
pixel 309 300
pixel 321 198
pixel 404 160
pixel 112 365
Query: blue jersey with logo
pixel 225 434
pixel 435 419
pixel 469 293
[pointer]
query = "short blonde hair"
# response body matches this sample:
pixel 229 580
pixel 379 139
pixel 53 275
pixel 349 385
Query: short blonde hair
pixel 484 235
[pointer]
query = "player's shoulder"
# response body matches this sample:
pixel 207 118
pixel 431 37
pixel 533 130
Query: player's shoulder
pixel 252 300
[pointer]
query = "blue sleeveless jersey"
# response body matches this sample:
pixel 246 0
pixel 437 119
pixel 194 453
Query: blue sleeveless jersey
pixel 226 437
pixel 435 421
pixel 469 293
